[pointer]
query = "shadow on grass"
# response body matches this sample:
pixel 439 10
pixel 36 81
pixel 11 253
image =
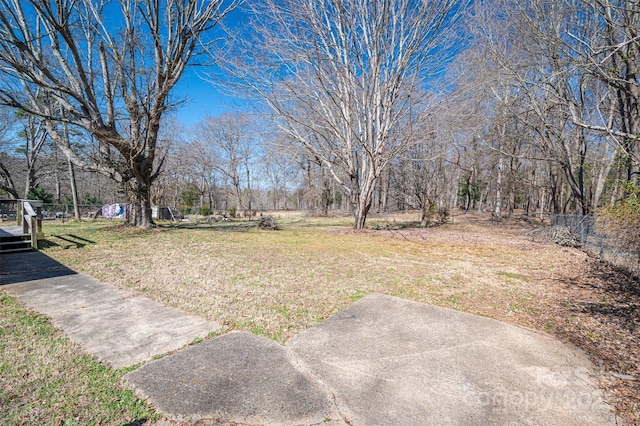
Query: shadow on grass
pixel 621 295
pixel 139 422
pixel 75 240
pixel 243 226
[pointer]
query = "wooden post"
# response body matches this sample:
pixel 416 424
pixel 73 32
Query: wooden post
pixel 40 233
pixel 24 218
pixel 19 213
pixel 34 232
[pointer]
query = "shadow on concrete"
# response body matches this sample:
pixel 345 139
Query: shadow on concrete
pixel 29 266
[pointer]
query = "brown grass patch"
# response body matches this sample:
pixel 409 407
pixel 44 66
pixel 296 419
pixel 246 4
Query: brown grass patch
pixel 280 283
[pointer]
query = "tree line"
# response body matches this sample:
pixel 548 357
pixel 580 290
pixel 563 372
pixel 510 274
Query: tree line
pixel 365 106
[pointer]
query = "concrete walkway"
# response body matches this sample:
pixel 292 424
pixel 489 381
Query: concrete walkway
pixel 117 327
pixel 381 361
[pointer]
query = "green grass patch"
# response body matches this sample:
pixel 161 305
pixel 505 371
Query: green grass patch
pixel 358 294
pixel 548 327
pixel 45 379
pixel 453 299
pixel 513 276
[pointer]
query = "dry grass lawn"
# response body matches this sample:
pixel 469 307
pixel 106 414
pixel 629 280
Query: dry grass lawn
pixel 278 283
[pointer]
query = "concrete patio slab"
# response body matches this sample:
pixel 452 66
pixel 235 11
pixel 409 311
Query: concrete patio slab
pixel 236 378
pixel 390 361
pixel 382 361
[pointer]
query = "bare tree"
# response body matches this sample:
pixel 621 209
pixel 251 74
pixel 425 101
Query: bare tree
pixel 199 164
pixel 111 80
pixel 8 121
pixel 341 77
pixel 230 141
pixel 607 42
pixel 25 146
pixel 279 169
pixel 536 48
pixel 422 175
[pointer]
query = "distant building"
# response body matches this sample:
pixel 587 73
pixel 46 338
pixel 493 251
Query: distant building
pixel 162 213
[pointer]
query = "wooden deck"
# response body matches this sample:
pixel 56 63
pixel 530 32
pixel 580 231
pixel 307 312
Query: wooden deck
pixel 7 231
pixel 28 214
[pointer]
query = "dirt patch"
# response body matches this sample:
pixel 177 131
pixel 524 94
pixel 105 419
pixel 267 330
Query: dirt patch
pixel 596 306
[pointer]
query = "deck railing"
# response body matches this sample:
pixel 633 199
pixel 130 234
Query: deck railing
pixel 29 215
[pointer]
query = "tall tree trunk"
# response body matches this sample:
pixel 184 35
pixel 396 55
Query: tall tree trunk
pixel 138 191
pixel 140 207
pixel 249 193
pixel 362 198
pixel 74 190
pixel 72 173
pixel 325 196
pixel 424 213
pixel 511 197
pixel 56 173
pixel 542 203
pixel 601 179
pixel 498 212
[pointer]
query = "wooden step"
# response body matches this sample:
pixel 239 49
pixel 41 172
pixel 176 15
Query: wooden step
pixel 14 237
pixel 13 246
pixel 16 250
pixel 14 243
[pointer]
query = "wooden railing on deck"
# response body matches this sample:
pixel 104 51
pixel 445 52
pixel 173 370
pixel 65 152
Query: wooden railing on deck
pixel 30 217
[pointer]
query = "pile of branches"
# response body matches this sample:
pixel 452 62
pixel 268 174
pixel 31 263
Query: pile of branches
pixel 555 234
pixel 564 237
pixel 268 223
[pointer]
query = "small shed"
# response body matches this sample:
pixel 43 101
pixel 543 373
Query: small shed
pixel 162 213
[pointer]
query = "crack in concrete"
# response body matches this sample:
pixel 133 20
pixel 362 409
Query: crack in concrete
pixel 299 365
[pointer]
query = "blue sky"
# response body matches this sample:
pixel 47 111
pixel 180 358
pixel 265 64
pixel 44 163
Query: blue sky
pixel 202 98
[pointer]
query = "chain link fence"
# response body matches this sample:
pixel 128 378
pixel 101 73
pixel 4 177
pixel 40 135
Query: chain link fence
pixel 586 231
pixel 8 210
pixel 65 210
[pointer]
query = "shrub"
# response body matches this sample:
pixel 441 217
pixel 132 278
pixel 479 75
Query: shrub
pixel 443 215
pixel 39 193
pixel 435 216
pixel 622 221
pixel 90 200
